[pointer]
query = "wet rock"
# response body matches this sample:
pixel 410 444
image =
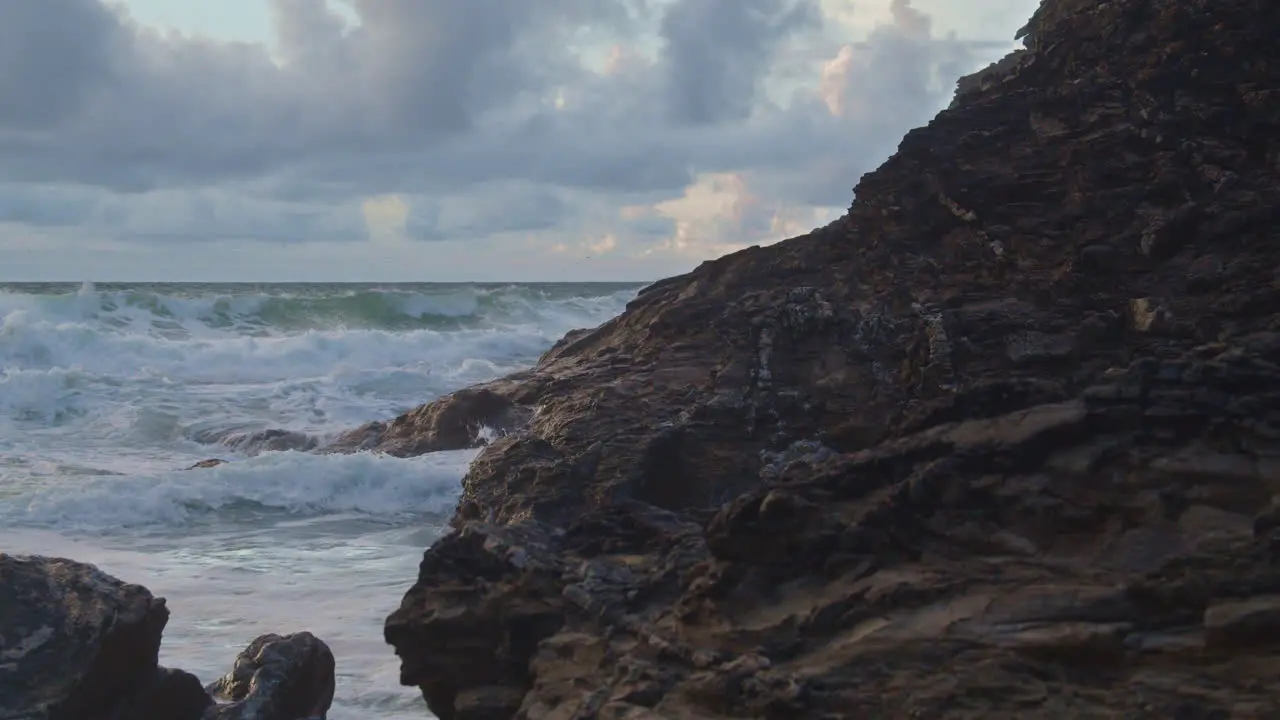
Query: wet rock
pixel 78 644
pixel 278 677
pixel 464 419
pixel 206 464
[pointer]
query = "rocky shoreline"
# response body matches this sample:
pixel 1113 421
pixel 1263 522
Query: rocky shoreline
pixel 78 644
pixel 1004 441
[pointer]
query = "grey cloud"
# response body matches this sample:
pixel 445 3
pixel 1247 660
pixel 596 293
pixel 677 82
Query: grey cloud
pixel 492 210
pixel 218 214
pixel 440 101
pixel 45 206
pixel 649 226
pixel 717 51
pixel 52 52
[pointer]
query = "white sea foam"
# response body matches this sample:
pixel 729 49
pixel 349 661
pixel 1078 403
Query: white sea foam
pixel 316 361
pixel 274 484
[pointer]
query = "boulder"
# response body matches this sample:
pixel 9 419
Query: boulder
pixel 78 644
pixel 278 677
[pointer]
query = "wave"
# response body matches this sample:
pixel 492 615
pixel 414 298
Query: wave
pixel 274 484
pixel 182 310
pixel 137 365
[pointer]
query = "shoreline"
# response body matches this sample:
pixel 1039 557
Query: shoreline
pixel 1004 440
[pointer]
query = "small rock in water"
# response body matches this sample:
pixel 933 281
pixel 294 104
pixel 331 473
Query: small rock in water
pixel 205 464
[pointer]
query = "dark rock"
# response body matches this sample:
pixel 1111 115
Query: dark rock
pixel 75 643
pixel 946 457
pixel 1099 258
pixel 78 644
pixel 206 464
pixel 1205 273
pixel 276 678
pixel 170 694
pixel 455 422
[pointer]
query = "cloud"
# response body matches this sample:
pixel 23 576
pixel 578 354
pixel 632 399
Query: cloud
pixel 682 127
pixel 717 51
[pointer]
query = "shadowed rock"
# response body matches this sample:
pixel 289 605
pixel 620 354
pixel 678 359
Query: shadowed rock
pixel 78 644
pixel 1002 442
pixel 277 678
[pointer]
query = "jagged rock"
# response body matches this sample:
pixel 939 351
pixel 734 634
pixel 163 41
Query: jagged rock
pixel 276 678
pixel 78 644
pixel 946 457
pixel 455 422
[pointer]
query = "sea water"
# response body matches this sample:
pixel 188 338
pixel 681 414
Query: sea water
pixel 106 391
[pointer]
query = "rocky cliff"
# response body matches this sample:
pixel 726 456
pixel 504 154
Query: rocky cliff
pixel 1002 442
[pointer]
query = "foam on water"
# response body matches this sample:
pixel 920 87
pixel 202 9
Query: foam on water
pixel 107 392
pixel 252 490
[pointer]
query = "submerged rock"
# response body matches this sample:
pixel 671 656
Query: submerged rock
pixel 206 464
pixel 1001 442
pixel 256 442
pixel 79 644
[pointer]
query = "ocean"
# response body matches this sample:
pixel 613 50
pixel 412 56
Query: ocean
pixel 106 391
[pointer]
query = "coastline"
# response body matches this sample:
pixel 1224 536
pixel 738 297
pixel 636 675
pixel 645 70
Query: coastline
pixel 1003 440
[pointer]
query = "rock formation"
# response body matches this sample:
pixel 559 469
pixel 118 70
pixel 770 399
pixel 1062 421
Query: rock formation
pixel 78 644
pixel 1002 442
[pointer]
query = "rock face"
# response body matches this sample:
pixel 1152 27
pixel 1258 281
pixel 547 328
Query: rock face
pixel 1003 442
pixel 78 644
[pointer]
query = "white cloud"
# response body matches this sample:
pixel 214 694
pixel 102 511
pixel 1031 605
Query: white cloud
pixel 672 129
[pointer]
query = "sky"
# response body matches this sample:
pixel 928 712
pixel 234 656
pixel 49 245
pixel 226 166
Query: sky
pixel 442 140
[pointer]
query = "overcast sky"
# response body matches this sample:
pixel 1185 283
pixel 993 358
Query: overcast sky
pixel 391 140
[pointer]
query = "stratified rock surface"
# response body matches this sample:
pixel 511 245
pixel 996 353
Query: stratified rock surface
pixel 78 644
pixel 1003 442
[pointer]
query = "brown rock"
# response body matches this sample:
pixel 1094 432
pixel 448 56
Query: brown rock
pixel 1243 622
pixel 454 422
pixel 78 644
pixel 278 677
pixel 937 459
